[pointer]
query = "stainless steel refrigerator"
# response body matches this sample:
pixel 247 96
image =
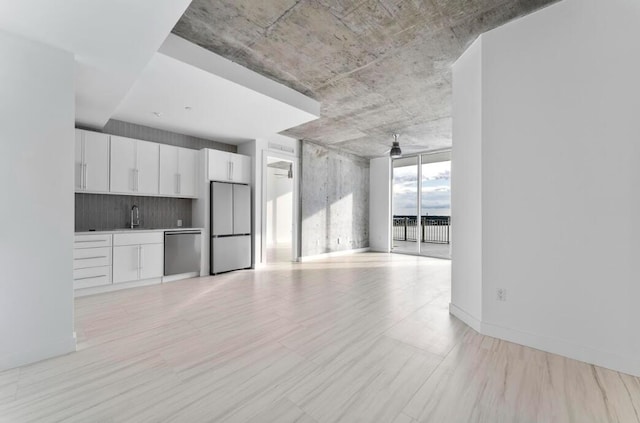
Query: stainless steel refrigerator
pixel 230 227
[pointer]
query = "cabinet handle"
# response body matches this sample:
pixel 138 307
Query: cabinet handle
pixel 232 169
pixel 90 258
pixel 137 180
pixel 85 175
pixel 141 258
pixel 177 187
pixel 90 277
pixel 179 183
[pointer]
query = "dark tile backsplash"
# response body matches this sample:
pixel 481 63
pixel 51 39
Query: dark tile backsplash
pixel 106 211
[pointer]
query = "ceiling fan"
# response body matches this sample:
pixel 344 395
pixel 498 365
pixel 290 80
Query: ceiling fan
pixel 394 152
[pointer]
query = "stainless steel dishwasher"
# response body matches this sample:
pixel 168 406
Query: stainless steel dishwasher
pixel 182 252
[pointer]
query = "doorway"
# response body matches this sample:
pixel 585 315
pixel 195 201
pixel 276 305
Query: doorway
pixel 421 205
pixel 279 213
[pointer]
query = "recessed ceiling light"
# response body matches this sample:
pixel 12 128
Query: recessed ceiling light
pixel 157 114
pixel 188 108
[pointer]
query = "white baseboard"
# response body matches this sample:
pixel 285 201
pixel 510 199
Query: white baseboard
pixel 115 287
pixel 467 318
pixel 334 254
pixel 64 346
pixel 629 365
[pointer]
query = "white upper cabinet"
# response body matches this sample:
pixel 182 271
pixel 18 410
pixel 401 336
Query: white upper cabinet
pixel 134 166
pixel 91 161
pixel 177 171
pixel 148 158
pixel 187 169
pixel 240 168
pixel 123 165
pixel 229 167
pixel 219 167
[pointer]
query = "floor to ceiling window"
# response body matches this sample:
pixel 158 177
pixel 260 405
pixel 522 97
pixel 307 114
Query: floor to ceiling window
pixel 422 205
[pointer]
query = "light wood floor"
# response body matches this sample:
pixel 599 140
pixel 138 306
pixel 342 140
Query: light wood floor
pixel 364 338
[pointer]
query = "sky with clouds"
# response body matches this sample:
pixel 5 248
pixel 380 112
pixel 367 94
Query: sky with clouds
pixel 436 189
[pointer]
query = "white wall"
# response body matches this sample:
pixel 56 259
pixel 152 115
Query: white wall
pixel 466 168
pixel 279 207
pixel 380 204
pixel 36 182
pixel 560 96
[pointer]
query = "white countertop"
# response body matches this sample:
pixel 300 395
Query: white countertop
pixel 136 230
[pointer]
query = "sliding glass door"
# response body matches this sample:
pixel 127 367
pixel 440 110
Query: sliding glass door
pixel 422 205
pixel 436 205
pixel 405 206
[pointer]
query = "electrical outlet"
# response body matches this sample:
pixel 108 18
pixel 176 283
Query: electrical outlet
pixel 501 294
pixel 179 223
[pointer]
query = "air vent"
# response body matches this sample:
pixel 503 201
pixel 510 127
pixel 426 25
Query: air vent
pixel 274 146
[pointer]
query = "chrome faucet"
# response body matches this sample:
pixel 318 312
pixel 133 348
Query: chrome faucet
pixel 135 216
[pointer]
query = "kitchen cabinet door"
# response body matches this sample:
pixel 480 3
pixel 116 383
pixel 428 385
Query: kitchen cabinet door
pixel 78 164
pixel 123 165
pixel 148 161
pixel 151 261
pixel 219 166
pixel 240 168
pixel 96 162
pixel 126 263
pixel 187 167
pixel 169 170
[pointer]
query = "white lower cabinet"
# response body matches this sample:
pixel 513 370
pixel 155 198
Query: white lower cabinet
pixel 126 263
pixel 138 256
pixel 91 261
pixel 151 261
pixel 91 277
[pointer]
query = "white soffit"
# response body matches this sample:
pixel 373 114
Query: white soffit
pixel 112 40
pixel 226 101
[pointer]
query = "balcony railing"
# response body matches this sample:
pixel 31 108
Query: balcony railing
pixel 435 229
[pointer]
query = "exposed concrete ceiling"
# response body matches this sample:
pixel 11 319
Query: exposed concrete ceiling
pixel 377 66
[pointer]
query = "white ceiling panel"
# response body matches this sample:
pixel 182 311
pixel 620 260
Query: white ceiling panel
pixel 112 40
pixel 212 98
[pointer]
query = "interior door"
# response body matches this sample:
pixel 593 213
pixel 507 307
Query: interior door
pixel 241 209
pixel 221 209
